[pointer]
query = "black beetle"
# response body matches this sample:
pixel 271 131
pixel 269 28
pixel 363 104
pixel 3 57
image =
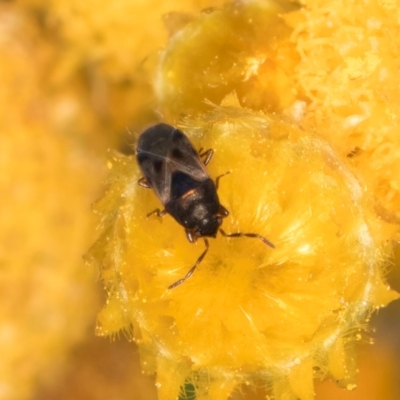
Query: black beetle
pixel 177 174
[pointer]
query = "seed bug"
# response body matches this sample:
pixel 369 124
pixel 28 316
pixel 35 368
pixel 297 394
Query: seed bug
pixel 176 172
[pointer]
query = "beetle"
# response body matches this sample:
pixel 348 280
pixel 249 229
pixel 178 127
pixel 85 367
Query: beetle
pixel 176 172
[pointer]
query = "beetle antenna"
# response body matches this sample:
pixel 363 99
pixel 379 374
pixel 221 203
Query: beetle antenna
pixel 189 274
pixel 251 235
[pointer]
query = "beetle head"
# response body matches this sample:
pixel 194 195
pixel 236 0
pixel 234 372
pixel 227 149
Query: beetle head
pixel 209 226
pixel 206 227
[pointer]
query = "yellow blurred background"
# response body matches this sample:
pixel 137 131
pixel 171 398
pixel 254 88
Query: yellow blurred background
pixel 75 75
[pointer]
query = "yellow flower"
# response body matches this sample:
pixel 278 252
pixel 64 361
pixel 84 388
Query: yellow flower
pixel 251 315
pixel 248 313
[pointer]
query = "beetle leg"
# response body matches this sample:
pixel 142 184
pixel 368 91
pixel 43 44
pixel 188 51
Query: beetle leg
pixel 190 273
pixel 159 213
pixel 223 212
pixel 191 235
pixel 252 235
pixel 143 182
pixel 219 177
pixel 208 154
